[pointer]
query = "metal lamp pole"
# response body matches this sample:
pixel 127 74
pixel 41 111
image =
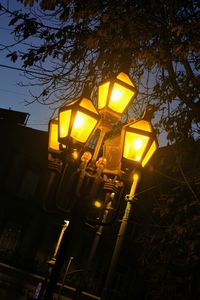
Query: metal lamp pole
pixel 122 230
pixel 66 236
pixel 98 234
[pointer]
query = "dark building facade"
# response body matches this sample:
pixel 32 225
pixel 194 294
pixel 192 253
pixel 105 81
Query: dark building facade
pixel 30 224
pixel 28 233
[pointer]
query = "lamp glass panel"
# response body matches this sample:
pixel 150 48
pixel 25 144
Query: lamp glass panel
pixel 125 78
pixel 82 127
pixel 53 137
pixel 87 103
pixel 142 125
pixel 134 146
pixel 64 122
pixel 149 153
pixel 103 95
pixel 120 98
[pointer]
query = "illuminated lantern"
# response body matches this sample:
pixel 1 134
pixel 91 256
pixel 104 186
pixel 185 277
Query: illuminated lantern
pixel 77 121
pixel 115 95
pixel 53 144
pixel 139 142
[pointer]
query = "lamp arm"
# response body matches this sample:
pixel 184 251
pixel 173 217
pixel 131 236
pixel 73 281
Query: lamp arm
pixel 104 221
pixel 82 169
pixel 103 132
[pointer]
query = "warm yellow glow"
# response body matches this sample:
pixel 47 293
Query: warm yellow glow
pixel 116 95
pixel 142 125
pixel 149 153
pixel 53 136
pixel 137 144
pixel 116 100
pixel 134 146
pixel 103 94
pixel 62 131
pixel 79 121
pixel 87 103
pixel 139 141
pixel 136 176
pixel 75 154
pixel 64 121
pixel 125 78
pixel 82 127
pixel 97 203
pixel 138 157
pixel 120 98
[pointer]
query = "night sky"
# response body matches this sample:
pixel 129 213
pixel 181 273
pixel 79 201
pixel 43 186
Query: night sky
pixel 13 96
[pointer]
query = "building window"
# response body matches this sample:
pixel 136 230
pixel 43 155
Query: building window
pixel 9 239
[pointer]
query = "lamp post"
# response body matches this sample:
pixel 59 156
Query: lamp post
pixel 76 124
pixel 139 144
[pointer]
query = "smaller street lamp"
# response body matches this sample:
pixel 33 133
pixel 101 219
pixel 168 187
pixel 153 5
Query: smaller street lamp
pixel 53 144
pixel 55 165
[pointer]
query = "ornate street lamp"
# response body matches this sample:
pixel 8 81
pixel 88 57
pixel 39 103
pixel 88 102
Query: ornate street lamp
pixel 74 127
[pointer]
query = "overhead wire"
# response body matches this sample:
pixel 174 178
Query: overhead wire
pixel 13 92
pixel 22 70
pixel 170 178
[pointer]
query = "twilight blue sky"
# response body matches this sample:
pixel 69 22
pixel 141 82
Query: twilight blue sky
pixel 11 94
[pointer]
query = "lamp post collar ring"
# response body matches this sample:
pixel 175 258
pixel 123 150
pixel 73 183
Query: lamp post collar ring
pixel 130 199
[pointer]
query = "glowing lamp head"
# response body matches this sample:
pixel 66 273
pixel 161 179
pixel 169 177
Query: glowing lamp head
pixel 77 121
pixel 115 95
pixel 53 144
pixel 139 142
